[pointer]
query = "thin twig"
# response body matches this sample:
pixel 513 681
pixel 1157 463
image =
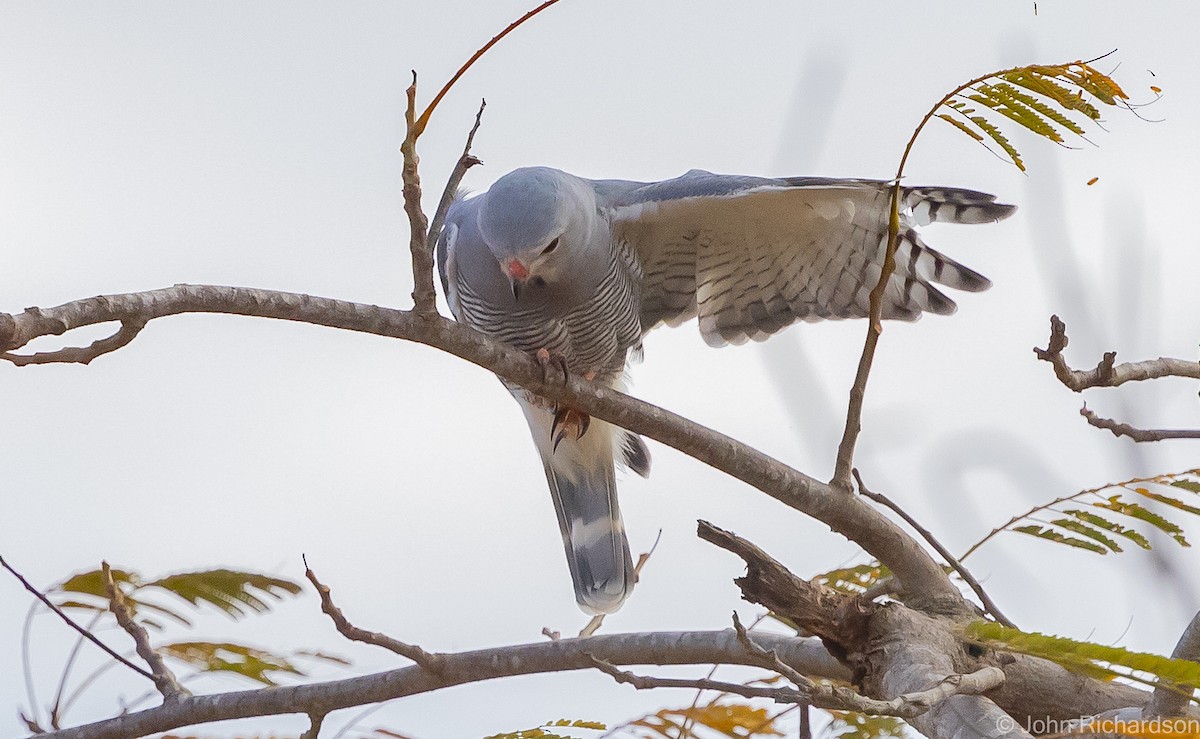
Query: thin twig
pixel 1119 429
pixel 1107 373
pixel 345 628
pixel 770 658
pixel 845 454
pixel 163 678
pixel 647 682
pixel 82 355
pixel 423 121
pixel 988 604
pixel 67 619
pixel 465 162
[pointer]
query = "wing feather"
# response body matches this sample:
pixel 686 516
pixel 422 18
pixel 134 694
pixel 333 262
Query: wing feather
pixel 750 256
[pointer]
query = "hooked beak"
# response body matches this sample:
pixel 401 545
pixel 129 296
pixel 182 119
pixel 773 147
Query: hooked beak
pixel 517 273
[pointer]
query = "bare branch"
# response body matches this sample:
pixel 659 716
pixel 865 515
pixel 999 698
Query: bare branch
pixel 465 162
pixel 922 577
pixel 81 355
pixel 163 678
pixel 354 633
pixel 1107 373
pixel 424 296
pixel 1170 699
pixel 1123 429
pixel 665 648
pixel 770 657
pixel 963 572
pixel 646 682
pixel 70 622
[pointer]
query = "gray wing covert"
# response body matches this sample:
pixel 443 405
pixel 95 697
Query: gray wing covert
pixel 750 256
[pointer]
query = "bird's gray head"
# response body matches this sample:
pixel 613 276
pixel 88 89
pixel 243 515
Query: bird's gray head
pixel 538 221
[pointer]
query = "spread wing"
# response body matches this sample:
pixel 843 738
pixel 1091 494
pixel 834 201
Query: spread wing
pixel 750 256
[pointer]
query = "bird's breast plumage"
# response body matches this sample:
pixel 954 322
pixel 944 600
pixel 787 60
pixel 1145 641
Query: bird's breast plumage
pixel 592 329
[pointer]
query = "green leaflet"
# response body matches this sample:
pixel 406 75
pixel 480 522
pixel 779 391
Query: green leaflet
pixel 1133 510
pixel 960 126
pixel 1085 530
pixel 1168 500
pixel 1045 533
pixel 1072 654
pixel 1190 485
pixel 994 133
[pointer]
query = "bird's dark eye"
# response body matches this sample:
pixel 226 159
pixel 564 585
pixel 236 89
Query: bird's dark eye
pixel 538 282
pixel 551 246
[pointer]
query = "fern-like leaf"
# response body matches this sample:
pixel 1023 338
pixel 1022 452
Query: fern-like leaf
pixel 231 591
pixel 239 659
pixel 1040 98
pixel 1124 502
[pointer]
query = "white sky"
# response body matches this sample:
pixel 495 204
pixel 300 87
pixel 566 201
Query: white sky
pixel 145 143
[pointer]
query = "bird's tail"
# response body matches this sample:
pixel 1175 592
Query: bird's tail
pixel 583 484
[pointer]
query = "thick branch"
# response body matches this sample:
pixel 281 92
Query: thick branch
pixel 1107 373
pixel 923 579
pixel 1172 700
pixel 1119 429
pixel 678 648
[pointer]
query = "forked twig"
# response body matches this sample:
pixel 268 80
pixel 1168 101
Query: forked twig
pixel 350 631
pixel 465 162
pixel 82 354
